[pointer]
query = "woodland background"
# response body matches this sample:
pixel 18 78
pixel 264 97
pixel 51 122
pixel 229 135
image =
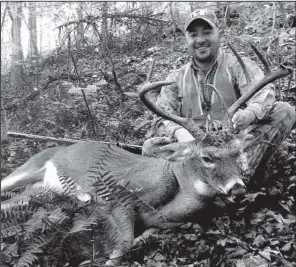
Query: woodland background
pixel 69 70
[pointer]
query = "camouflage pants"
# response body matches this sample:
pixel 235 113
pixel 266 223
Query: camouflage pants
pixel 269 133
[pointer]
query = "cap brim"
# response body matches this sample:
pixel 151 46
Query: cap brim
pixel 211 23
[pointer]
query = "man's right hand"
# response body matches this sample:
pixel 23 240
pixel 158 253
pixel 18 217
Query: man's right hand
pixel 183 135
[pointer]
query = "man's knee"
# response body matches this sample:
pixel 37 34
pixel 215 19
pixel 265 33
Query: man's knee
pixel 283 112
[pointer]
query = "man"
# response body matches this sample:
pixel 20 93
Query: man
pixel 209 65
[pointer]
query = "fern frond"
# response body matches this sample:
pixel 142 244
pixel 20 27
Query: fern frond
pixel 138 201
pixel 83 220
pixel 11 230
pixel 36 223
pixel 119 228
pixel 12 220
pixel 104 185
pixel 28 258
pixel 108 190
pixel 67 182
pixel 7 195
pixel 57 217
pixel 42 195
pixel 26 196
pixel 42 240
pixel 10 251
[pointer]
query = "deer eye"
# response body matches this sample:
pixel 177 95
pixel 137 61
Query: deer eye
pixel 207 160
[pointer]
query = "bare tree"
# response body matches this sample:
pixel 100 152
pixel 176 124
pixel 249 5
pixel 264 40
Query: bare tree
pixel 15 11
pixel 174 25
pixel 3 16
pixel 105 22
pixel 79 29
pixel 33 30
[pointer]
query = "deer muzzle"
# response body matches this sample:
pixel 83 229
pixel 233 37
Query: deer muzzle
pixel 235 189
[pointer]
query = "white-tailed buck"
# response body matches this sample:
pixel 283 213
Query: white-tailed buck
pixel 178 182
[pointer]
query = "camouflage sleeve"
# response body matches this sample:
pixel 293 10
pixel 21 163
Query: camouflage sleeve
pixel 169 101
pixel 262 102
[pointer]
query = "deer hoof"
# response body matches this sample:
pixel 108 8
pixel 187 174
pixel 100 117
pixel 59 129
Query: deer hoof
pixel 111 263
pixel 115 258
pixel 144 236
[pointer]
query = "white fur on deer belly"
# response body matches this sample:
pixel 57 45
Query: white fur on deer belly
pixel 51 179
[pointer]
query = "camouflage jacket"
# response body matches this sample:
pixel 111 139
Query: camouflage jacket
pixel 190 93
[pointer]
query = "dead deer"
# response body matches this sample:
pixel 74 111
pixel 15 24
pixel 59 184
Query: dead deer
pixel 178 182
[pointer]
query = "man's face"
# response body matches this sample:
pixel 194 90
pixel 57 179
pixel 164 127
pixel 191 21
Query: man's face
pixel 202 41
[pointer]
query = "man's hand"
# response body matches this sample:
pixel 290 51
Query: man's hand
pixel 151 144
pixel 183 135
pixel 243 118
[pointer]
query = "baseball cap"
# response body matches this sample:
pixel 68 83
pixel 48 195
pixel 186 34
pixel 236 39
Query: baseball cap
pixel 205 14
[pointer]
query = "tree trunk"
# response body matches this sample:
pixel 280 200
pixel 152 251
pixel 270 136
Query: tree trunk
pixel 80 31
pixel 15 11
pixel 34 54
pixel 33 30
pixel 174 26
pixel 191 6
pixel 105 23
pixel 3 18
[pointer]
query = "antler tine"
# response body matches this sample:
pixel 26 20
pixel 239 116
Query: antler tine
pixel 188 123
pixel 149 75
pixel 241 62
pixel 265 63
pixel 147 87
pixel 222 101
pixel 274 75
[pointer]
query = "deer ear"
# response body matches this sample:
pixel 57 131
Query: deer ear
pixel 175 151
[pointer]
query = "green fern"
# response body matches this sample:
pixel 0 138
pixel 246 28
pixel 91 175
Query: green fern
pixel 8 195
pixel 12 219
pixel 69 185
pixel 84 220
pixel 107 189
pixel 121 227
pixel 138 202
pixel 56 217
pixel 28 258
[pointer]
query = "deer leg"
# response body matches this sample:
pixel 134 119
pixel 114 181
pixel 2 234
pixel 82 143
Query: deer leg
pixel 121 221
pixel 269 133
pixel 18 180
pixel 184 205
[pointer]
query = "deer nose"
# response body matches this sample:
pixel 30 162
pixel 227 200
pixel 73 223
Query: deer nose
pixel 238 190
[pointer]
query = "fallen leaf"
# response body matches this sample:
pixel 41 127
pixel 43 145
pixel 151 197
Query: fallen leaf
pixel 265 254
pixel 287 247
pixel 222 242
pixel 259 241
pixel 158 257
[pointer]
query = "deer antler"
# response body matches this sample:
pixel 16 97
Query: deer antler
pixel 269 77
pixel 222 101
pixel 188 123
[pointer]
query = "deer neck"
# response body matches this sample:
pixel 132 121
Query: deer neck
pixel 185 172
